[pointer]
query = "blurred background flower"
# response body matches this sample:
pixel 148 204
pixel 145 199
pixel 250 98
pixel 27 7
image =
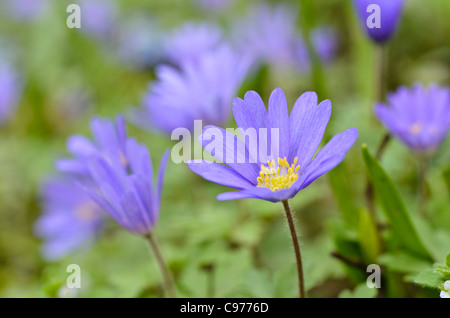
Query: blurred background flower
pixel 142 53
pixel 26 10
pixel 191 41
pixel 140 42
pixel 71 220
pixel 200 90
pixel 418 116
pixel 99 18
pixel 213 5
pixel 10 90
pixel 269 35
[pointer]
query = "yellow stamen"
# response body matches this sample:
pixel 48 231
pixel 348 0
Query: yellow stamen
pixel 278 177
pixel 416 128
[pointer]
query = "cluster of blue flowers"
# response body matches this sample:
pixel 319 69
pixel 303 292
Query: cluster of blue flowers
pixel 198 74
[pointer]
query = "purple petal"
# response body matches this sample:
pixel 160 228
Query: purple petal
pixel 81 146
pixel 308 123
pixel 231 150
pixel 279 118
pixel 330 156
pixel 220 174
pixel 250 112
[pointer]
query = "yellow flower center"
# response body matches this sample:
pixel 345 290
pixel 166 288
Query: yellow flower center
pixel 87 212
pixel 278 176
pixel 416 128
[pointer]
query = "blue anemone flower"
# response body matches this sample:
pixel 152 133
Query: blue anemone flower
pixel 281 174
pixel 126 191
pixel 418 116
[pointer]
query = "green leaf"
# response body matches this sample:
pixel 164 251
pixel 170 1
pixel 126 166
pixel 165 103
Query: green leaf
pixel 338 178
pixel 393 207
pixel 368 237
pixel 429 278
pixel 447 260
pixel 361 291
pixel 446 176
pixel 404 263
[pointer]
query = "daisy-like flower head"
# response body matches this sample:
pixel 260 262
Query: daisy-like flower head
pixel 191 41
pixel 292 139
pixel 200 90
pixel 418 116
pixel 390 14
pixel 445 293
pixel 70 220
pixel 109 142
pixel 126 192
pixel 10 89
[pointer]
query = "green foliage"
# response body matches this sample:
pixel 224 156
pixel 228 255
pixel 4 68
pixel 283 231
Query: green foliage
pixel 368 237
pixel 390 200
pixel 403 263
pixel 433 277
pixel 361 291
pixel 228 249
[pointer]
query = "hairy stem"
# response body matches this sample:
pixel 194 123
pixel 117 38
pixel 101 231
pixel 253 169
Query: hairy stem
pixel 167 278
pixel 298 256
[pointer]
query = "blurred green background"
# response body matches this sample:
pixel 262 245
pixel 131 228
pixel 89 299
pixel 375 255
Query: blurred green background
pixel 221 249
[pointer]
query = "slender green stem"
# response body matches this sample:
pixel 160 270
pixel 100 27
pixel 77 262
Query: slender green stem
pixel 380 71
pixel 382 146
pixel 422 182
pixel 167 278
pixel 298 256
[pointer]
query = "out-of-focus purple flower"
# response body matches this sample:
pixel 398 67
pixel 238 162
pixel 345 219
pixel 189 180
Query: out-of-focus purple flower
pixel 71 218
pixel 213 5
pixel 98 18
pixel 126 192
pixel 390 14
pixel 199 90
pixel 325 42
pixel 27 10
pixel 190 42
pixel 109 142
pixel 141 43
pixel 419 117
pixel 73 102
pixel 10 89
pixel 290 166
pixel 268 35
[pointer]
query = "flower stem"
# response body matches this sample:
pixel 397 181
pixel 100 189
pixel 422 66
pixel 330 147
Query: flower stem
pixel 298 256
pixel 422 186
pixel 167 278
pixel 380 72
